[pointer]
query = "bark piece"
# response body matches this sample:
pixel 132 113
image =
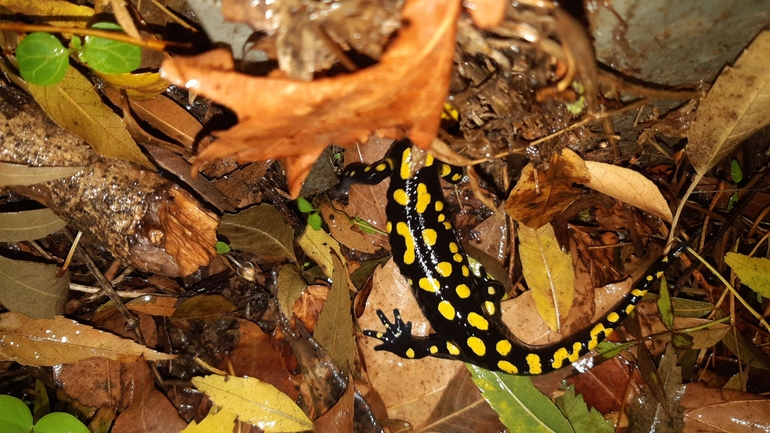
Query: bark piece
pixel 136 214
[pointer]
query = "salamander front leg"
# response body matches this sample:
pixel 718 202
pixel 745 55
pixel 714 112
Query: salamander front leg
pixel 398 339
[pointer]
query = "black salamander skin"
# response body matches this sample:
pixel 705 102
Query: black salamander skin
pixel 462 308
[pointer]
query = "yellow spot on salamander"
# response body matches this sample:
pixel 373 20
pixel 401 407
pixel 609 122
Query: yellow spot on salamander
pixel 490 307
pixel 649 278
pixel 507 367
pixel 659 274
pixel 637 292
pixel 429 284
pixel 458 258
pixel 441 217
pixel 665 259
pixel 388 226
pixel 613 317
pixel 559 357
pixel 429 237
pixel 400 197
pixel 445 170
pixel 439 206
pixel 446 309
pixel 630 308
pixel 478 321
pixel 535 366
pixel 456 177
pixel 463 291
pixel 576 348
pixel 466 271
pixel 403 230
pixel 447 225
pixel 491 290
pixel 433 350
pixel 367 169
pixel 350 173
pixel 406 164
pixel 381 166
pixel 409 353
pixel 452 349
pixel 453 247
pixel 503 347
pixel 477 346
pixel 444 269
pixel 423 198
pixel 429 160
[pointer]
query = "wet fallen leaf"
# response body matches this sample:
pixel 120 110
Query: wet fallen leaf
pixel 203 307
pixel 160 306
pixel 150 410
pixel 74 105
pixel 348 233
pixel 753 271
pixel 582 417
pixel 71 15
pixel 221 421
pixel 22 174
pixel 295 121
pixel 290 287
pixel 256 402
pixel 98 382
pixel 319 246
pixel 735 107
pixel 629 187
pixel 714 410
pixel 140 86
pixel 549 273
pixel 334 330
pixel 32 289
pixel 29 225
pixel 260 230
pixel 47 342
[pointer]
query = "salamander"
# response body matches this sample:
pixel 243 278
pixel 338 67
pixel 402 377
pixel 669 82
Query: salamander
pixel 463 308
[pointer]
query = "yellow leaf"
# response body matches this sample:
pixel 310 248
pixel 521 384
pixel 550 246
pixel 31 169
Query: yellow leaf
pixel 549 273
pixel 145 85
pixel 75 106
pixel 753 271
pixel 47 342
pixel 734 109
pixel 256 402
pixel 76 16
pixel 220 422
pixel 629 187
pixel 316 244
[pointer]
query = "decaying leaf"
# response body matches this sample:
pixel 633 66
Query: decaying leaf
pixel 76 16
pixel 549 273
pixel 32 289
pixel 321 247
pixel 28 225
pixel 260 230
pixel 256 402
pixel 47 342
pixel 334 330
pixel 723 410
pixel 536 202
pixel 22 174
pixel 75 106
pixel 203 307
pixel 296 121
pixel 629 187
pixel 754 271
pixel 736 107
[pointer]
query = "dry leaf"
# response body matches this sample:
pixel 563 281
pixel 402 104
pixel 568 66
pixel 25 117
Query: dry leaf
pixel 29 225
pixel 22 174
pixel 549 273
pixel 261 230
pixel 47 342
pixel 32 289
pixel 296 121
pixel 256 402
pixel 629 187
pixel 334 330
pixel 72 15
pixel 318 245
pixel 735 107
pixel 153 305
pixel 486 14
pixel 75 106
pixel 348 233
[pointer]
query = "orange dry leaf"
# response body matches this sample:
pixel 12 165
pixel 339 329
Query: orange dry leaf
pixel 295 120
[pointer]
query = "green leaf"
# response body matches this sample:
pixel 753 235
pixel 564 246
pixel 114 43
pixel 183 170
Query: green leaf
pixel 222 248
pixel 522 408
pixel 22 174
pixel 60 422
pixel 735 171
pixel 43 60
pixel 366 227
pixel 304 205
pixel 753 271
pixel 108 56
pixel 315 221
pixel 14 415
pixel 582 419
pixel 733 199
pixel 610 349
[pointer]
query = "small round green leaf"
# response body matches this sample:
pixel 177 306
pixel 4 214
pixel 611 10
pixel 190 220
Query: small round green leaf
pixel 14 415
pixel 304 206
pixel 43 60
pixel 315 221
pixel 222 248
pixel 60 422
pixel 108 56
pixel 735 171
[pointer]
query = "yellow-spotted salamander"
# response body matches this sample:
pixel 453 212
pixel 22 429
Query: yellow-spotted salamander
pixel 462 308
